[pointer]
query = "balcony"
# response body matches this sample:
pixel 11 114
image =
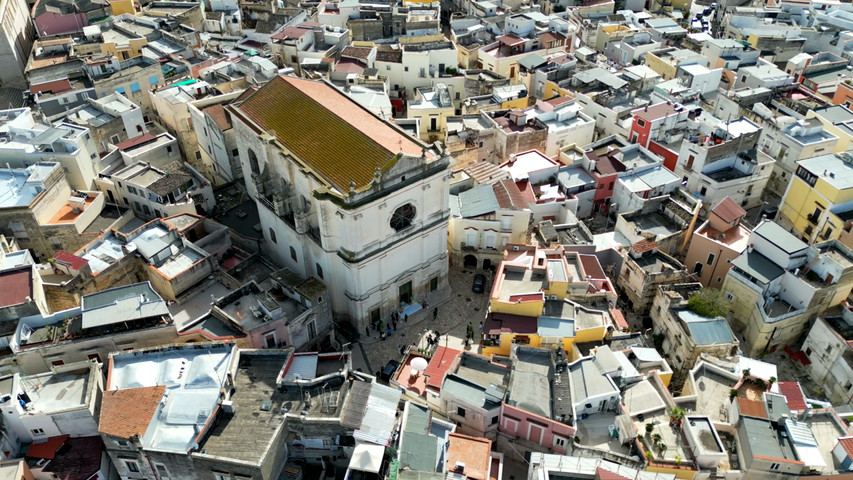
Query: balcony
pixel 813 219
pixel 775 309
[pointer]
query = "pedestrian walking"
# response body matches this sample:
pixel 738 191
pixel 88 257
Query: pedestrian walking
pixel 406 318
pixel 481 325
pixel 390 331
pixel 435 313
pixel 366 331
pixel 394 323
pixel 380 327
pixel 424 305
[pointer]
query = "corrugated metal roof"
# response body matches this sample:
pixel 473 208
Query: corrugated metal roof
pixel 303 367
pixel 707 331
pixel 130 302
pixel 419 452
pixel 480 200
pixel 728 210
pixel 381 414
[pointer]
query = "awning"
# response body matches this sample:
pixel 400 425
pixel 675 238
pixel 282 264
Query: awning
pixel 367 458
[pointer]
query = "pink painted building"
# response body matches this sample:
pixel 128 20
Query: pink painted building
pixel 531 411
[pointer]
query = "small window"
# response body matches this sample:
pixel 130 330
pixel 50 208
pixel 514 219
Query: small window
pixel 711 258
pixel 153 80
pixel 641 122
pixel 134 87
pixel 293 254
pixel 162 472
pixel 848 386
pixel 94 357
pixel 146 210
pixel 773 466
pixel 319 271
pixel 272 235
pixel 120 90
pixel 730 297
pixel 559 441
pixel 57 363
pixel 38 432
pixel 131 465
pixel 235 153
pixel 460 411
pixel 494 420
pixel 169 148
pixel 122 443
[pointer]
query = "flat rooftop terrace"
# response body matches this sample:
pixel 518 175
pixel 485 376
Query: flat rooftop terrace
pixel 58 391
pixel 246 434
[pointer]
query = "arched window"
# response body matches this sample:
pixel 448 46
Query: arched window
pixel 253 162
pixel 402 217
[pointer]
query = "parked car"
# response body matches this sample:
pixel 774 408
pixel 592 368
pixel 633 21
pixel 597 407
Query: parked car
pixel 349 331
pixel 479 285
pixel 389 369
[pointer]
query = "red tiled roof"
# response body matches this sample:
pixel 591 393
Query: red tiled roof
pixel 654 112
pixel 557 101
pixel 16 286
pixel 125 413
pixel 346 142
pixel 485 172
pixel 751 408
pixel 619 318
pixel 526 190
pixel 728 210
pixel 606 165
pixel 794 395
pixel 592 267
pixel 47 449
pixel 847 445
pixel 551 36
pixel 70 260
pixel 54 86
pixel 510 40
pixel 525 297
pixel 349 65
pixel 644 246
pixel 217 113
pixel 79 459
pixel 439 364
pixel 602 474
pixel 508 195
pixel 508 323
pixel 290 32
pixel 133 142
pixel 356 52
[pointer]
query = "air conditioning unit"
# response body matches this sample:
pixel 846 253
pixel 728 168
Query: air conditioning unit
pixel 515 248
pixel 553 297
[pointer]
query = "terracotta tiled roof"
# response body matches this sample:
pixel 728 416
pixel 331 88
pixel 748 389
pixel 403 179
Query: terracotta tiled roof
pixel 69 259
pixel 439 364
pixel 557 101
pixel 356 52
pixel 217 113
pixel 54 86
pixel 602 474
pixel 794 395
pixel 751 408
pixel 728 210
pixel 15 286
pixel 644 246
pixel 485 172
pixel 847 445
pixel 47 449
pixel 327 131
pixel 551 36
pixel 125 413
pixel 290 32
pixel 136 141
pixel 508 195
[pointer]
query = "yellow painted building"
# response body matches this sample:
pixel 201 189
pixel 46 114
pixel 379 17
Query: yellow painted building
pixel 835 120
pixel 530 301
pixel 816 204
pixel 120 7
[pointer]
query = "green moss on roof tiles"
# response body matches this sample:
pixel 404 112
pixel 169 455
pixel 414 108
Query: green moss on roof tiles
pixel 327 131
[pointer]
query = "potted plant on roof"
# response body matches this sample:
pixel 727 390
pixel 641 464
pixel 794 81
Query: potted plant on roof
pixel 676 415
